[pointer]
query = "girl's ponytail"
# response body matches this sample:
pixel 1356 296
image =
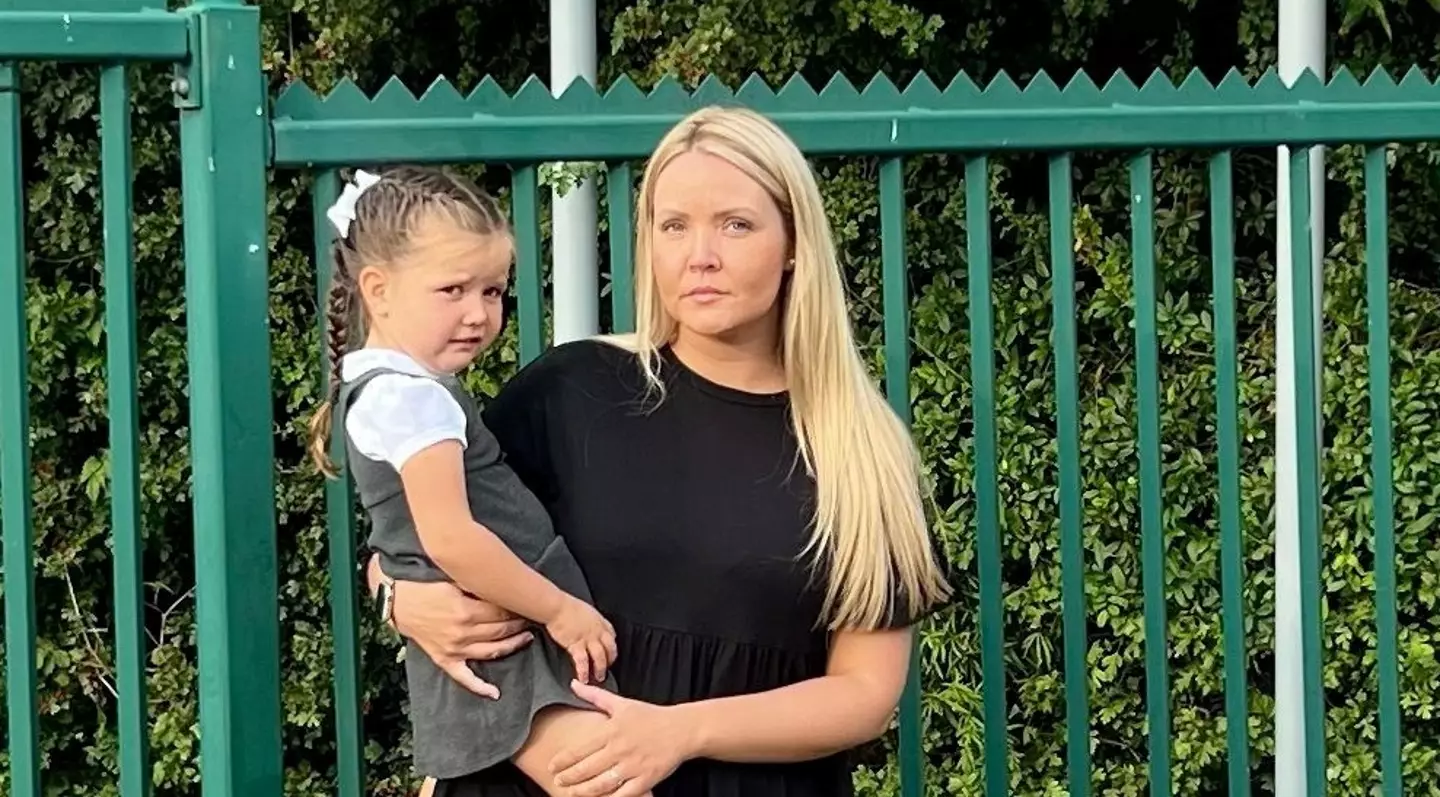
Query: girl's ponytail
pixel 339 306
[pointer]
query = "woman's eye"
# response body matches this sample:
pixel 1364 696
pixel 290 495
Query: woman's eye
pixel 739 225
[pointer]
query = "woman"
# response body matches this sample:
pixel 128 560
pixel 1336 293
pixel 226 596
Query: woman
pixel 744 503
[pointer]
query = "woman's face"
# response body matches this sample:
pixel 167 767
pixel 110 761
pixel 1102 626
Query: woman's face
pixel 719 250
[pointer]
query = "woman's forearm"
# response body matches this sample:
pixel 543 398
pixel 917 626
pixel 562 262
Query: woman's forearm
pixel 848 706
pixel 800 722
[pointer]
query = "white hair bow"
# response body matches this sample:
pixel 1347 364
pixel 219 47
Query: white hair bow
pixel 342 213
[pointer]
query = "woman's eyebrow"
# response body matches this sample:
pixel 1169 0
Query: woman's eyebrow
pixel 740 210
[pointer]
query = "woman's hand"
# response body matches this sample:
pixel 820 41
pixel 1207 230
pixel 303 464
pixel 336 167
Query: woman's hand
pixel 639 747
pixel 453 628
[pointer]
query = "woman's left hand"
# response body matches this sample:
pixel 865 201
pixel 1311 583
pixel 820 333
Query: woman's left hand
pixel 637 748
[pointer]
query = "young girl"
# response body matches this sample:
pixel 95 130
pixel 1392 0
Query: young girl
pixel 421 262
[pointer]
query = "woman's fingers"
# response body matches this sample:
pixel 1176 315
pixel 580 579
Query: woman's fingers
pixel 480 650
pixel 453 628
pixel 573 755
pixel 593 775
pixel 471 633
pixel 468 679
pixel 633 788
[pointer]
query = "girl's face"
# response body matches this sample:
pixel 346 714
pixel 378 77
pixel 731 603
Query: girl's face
pixel 719 247
pixel 441 303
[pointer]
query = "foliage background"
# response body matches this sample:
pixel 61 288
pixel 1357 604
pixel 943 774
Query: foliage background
pixel 321 42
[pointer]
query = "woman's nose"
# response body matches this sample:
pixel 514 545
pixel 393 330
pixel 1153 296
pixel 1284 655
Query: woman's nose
pixel 703 256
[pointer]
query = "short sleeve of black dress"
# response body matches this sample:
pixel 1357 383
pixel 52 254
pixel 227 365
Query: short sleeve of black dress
pixel 689 517
pixel 517 417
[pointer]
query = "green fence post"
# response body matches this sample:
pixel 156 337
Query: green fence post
pixel 16 479
pixel 223 126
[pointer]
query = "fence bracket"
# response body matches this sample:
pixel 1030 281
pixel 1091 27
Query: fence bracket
pixel 9 78
pixel 185 91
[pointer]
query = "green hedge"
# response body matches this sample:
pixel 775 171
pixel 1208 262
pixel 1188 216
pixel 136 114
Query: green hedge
pixel 320 42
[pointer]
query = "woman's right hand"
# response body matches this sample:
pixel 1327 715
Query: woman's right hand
pixel 454 628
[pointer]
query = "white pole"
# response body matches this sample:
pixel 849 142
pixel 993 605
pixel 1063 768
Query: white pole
pixel 1302 46
pixel 575 270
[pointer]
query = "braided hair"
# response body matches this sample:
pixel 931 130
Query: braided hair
pixel 386 215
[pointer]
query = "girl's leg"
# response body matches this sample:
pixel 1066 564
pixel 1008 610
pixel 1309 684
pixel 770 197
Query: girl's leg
pixel 553 728
pixel 427 789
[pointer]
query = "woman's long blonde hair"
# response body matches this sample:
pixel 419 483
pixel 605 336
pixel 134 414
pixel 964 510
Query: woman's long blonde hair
pixel 870 527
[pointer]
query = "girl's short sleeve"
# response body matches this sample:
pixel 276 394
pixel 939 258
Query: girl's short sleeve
pixel 397 416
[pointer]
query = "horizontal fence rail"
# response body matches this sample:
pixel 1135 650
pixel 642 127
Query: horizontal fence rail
pixel 92 30
pixel 97 36
pixel 442 125
pixel 227 135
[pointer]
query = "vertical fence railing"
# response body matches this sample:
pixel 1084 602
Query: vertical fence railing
pixel 1377 300
pixel 895 299
pixel 1307 446
pixel 122 360
pixel 987 475
pixel 1152 531
pixel 1227 430
pixel 620 198
pixel 340 527
pixel 525 212
pixel 224 131
pixel 21 703
pixel 1067 434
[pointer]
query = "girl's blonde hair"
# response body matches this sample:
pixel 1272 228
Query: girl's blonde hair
pixel 387 216
pixel 870 529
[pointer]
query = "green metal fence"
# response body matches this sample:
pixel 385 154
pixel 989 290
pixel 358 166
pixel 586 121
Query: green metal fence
pixel 231 133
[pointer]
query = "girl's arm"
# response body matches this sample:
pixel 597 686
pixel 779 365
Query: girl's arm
pixel 434 482
pixel 851 704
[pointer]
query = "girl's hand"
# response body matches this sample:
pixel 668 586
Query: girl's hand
pixel 640 746
pixel 586 635
pixel 454 628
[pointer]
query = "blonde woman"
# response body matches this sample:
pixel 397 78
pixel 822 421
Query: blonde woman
pixel 744 504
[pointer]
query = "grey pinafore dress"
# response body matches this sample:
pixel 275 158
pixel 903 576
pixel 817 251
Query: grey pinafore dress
pixel 457 732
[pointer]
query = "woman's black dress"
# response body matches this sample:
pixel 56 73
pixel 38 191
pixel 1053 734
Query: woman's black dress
pixel 688 519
